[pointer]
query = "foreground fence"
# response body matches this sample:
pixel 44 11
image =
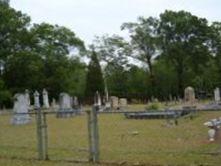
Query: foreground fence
pixel 96 137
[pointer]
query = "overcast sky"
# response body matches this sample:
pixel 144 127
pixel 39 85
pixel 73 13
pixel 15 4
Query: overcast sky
pixel 88 18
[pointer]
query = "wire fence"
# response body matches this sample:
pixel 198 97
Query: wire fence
pixel 110 136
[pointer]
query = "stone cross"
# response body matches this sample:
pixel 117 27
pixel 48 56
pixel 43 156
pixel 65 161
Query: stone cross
pixel 36 100
pixel 45 99
pixel 20 109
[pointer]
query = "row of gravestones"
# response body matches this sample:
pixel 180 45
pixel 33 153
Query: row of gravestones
pixel 68 106
pixel 112 103
pixel 189 95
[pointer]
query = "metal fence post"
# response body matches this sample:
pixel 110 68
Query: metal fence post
pixel 95 134
pixel 39 134
pixel 89 122
pixel 45 137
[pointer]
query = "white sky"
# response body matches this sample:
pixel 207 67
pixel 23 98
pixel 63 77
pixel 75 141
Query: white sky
pixel 88 18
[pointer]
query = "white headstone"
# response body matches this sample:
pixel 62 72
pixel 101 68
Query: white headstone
pixel 217 95
pixel 45 99
pixel 27 95
pixel 36 100
pixel 114 102
pixel 123 102
pixel 189 95
pixel 21 105
pixel 211 134
pixel 75 102
pixel 97 99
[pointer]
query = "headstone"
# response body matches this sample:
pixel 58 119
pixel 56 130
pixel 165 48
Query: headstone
pixel 189 95
pixel 170 98
pixel 54 104
pixel 211 134
pixel 97 99
pixel 76 105
pixel 65 106
pixel 75 102
pixel 106 95
pixel 217 95
pixel 21 105
pixel 114 102
pixel 45 99
pixel 36 100
pixel 107 104
pixel 27 95
pixel 123 102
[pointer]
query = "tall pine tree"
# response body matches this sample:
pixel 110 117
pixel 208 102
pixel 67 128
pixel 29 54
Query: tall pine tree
pixel 95 81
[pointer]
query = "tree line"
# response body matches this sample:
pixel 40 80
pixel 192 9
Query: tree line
pixel 160 57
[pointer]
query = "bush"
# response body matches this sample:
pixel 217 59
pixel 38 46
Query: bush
pixel 153 106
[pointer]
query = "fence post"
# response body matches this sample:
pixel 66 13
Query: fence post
pixel 39 134
pixel 89 122
pixel 93 135
pixel 45 137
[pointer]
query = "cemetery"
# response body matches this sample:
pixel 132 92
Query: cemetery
pixel 149 96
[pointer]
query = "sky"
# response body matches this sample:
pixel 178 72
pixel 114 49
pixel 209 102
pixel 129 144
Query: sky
pixel 90 18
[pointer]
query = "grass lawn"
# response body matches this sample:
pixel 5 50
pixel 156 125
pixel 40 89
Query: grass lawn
pixel 121 139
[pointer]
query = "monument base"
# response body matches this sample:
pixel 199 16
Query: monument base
pixel 65 113
pixel 20 119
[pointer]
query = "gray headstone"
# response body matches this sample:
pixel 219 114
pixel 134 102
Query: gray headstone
pixel 21 105
pixel 217 95
pixel 65 106
pixel 36 100
pixel 45 99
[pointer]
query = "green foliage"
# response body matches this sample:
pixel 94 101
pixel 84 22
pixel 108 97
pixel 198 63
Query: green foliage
pixel 184 42
pixel 94 79
pixel 153 106
pixel 5 95
pixel 160 58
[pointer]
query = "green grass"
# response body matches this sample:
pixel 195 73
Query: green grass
pixel 121 139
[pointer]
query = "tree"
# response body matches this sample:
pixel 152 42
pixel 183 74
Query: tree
pixel 144 39
pixel 94 79
pixel 216 47
pixel 13 31
pixel 5 95
pixel 184 42
pixel 113 51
